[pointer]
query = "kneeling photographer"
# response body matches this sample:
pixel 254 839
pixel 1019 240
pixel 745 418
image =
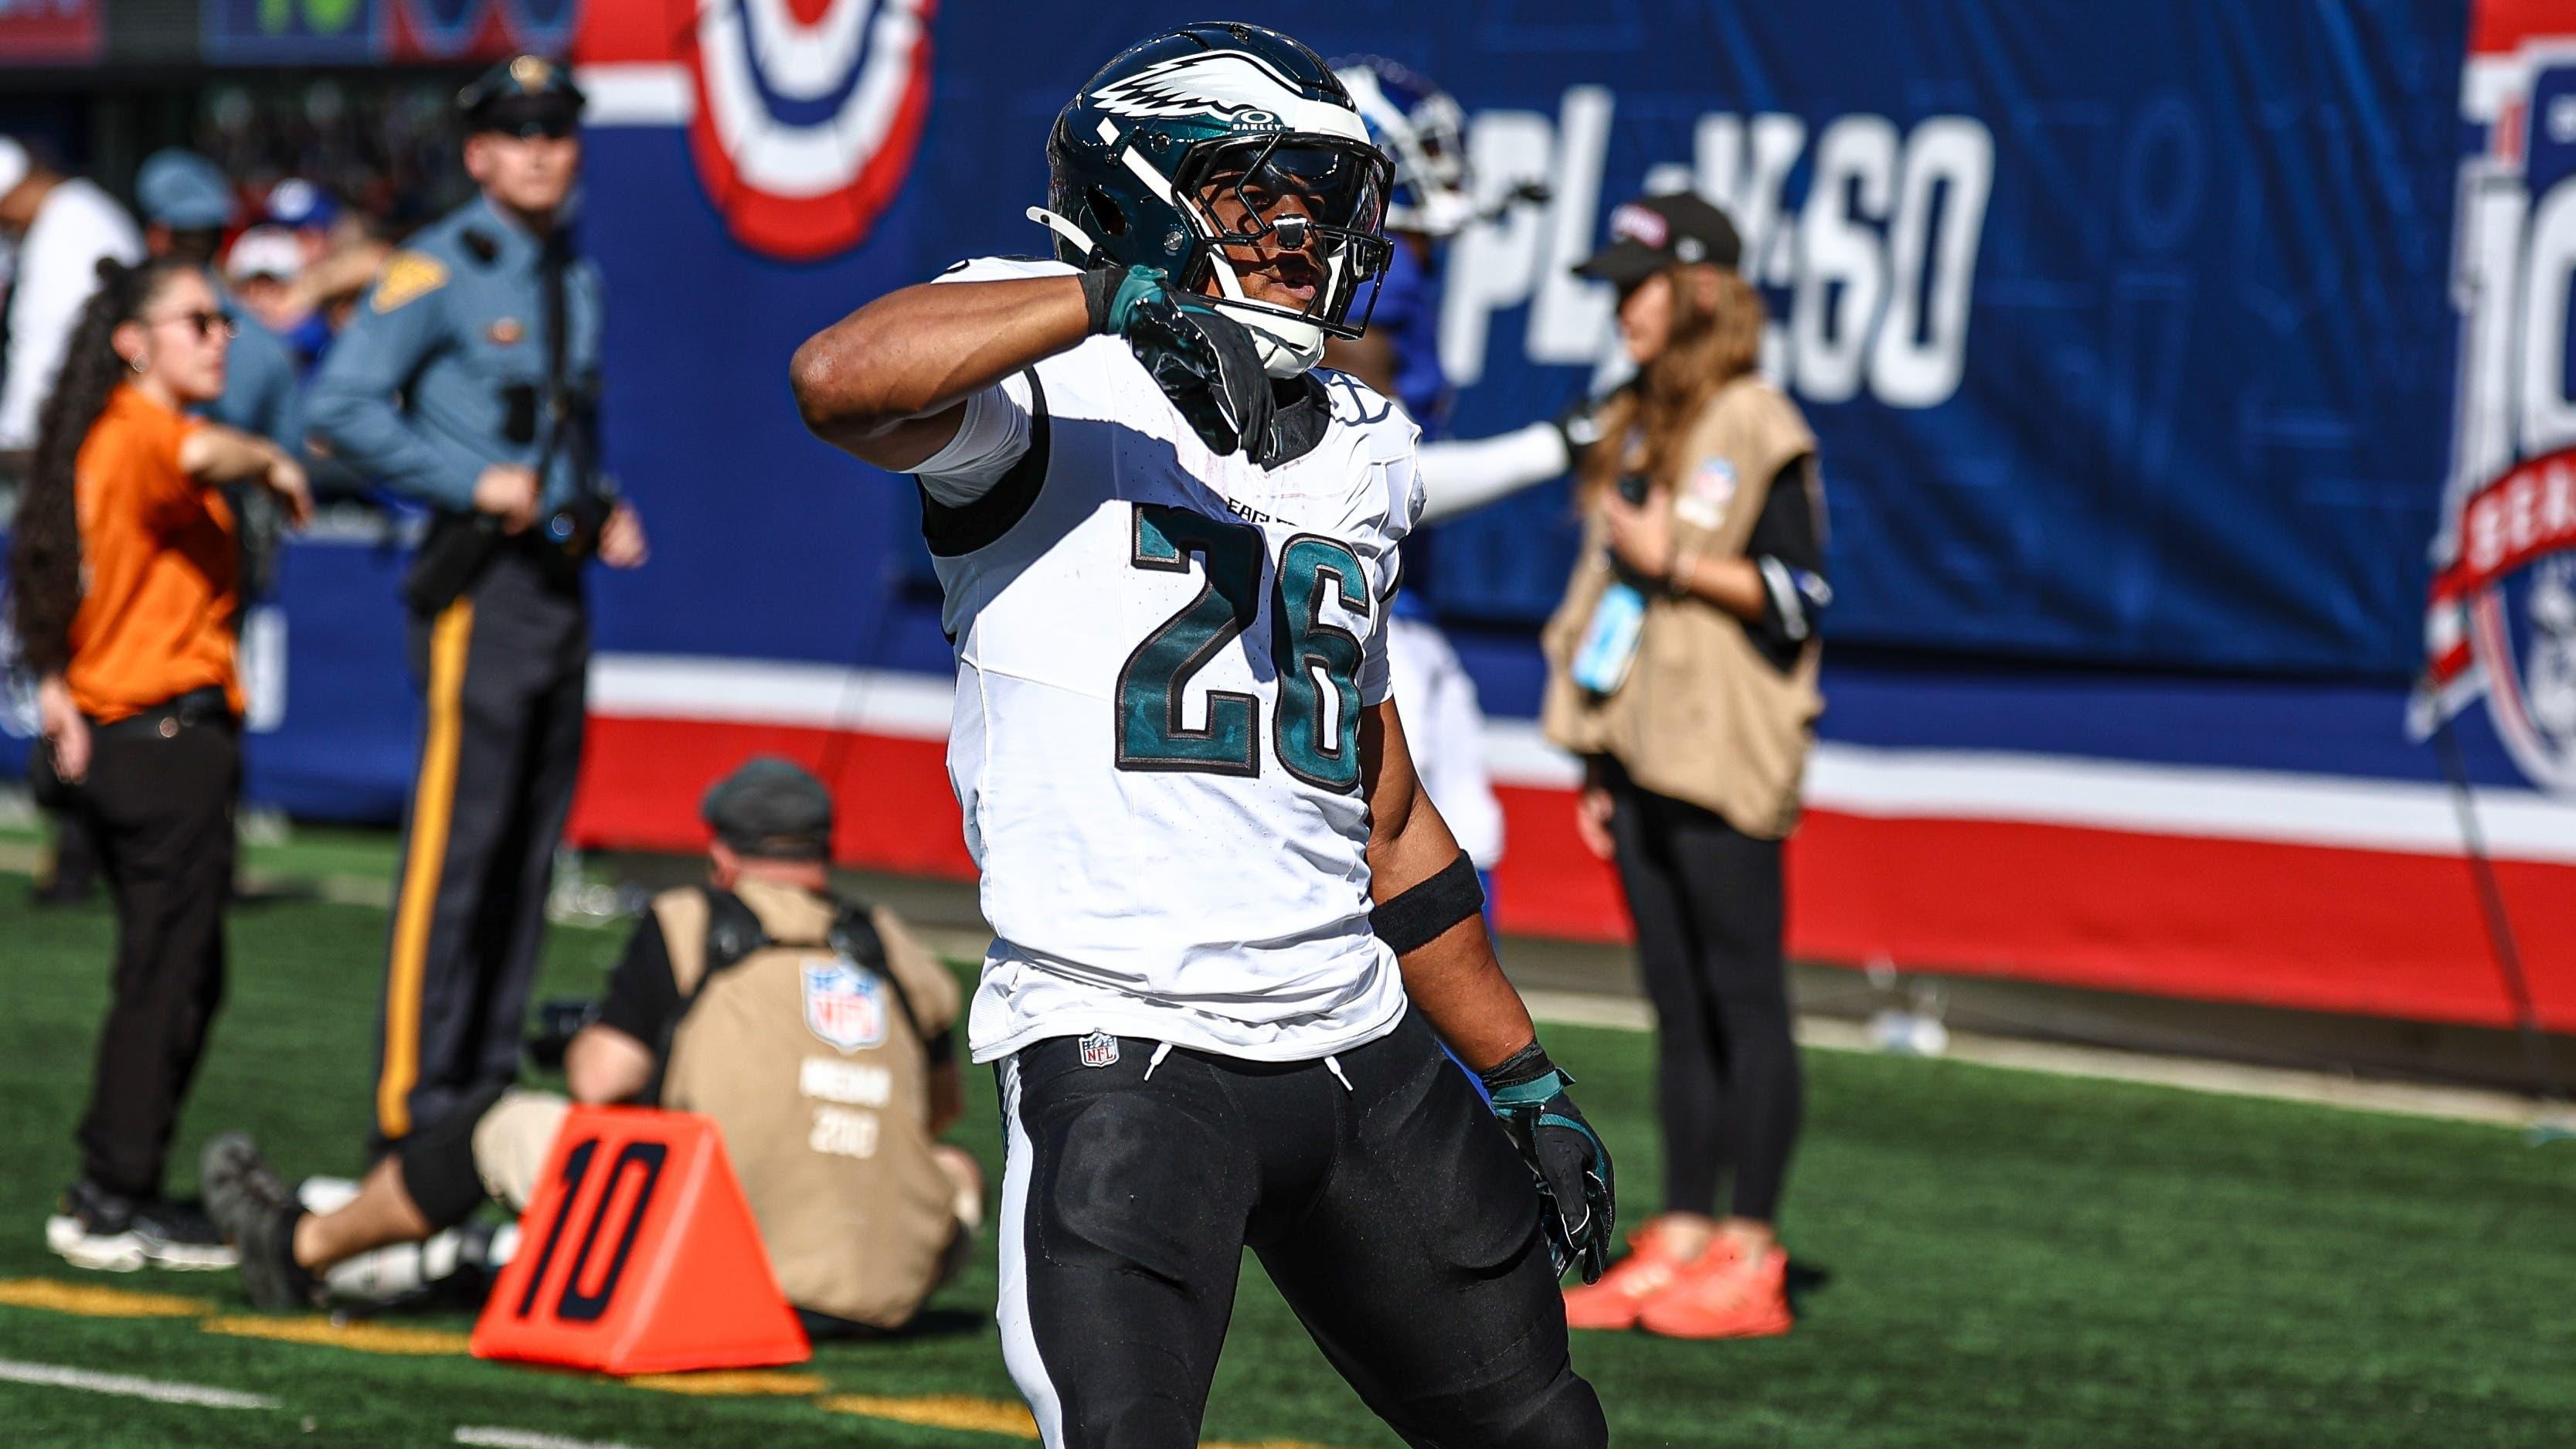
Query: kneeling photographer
pixel 814 1029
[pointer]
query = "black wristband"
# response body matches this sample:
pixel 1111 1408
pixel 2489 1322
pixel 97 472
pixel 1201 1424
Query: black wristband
pixel 1099 287
pixel 1526 1065
pixel 1416 916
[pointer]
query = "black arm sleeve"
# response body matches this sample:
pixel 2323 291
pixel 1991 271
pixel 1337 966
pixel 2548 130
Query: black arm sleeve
pixel 1786 539
pixel 643 1001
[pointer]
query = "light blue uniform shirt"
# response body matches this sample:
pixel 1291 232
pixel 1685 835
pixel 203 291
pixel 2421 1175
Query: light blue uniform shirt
pixel 457 319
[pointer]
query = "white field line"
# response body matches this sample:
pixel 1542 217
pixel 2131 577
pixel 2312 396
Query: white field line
pixel 160 1391
pixel 493 1436
pixel 2191 1074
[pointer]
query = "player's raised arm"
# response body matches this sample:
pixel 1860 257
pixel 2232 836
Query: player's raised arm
pixel 1430 912
pixel 888 383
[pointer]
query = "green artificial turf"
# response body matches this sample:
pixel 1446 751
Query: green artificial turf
pixel 2006 1259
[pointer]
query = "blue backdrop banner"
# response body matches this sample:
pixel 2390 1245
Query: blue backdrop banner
pixel 2124 327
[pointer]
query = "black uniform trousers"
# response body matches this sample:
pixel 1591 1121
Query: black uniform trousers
pixel 1709 904
pixel 505 668
pixel 1383 1198
pixel 158 801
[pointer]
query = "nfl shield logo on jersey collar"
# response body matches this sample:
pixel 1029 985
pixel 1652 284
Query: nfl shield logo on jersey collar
pixel 1100 1049
pixel 844 1005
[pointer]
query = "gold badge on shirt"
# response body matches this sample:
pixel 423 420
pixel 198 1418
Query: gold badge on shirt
pixel 506 332
pixel 407 277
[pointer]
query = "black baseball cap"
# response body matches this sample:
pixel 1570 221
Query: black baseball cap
pixel 1652 233
pixel 771 808
pixel 524 95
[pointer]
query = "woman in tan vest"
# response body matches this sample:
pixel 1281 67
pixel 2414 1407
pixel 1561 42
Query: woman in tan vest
pixel 1682 669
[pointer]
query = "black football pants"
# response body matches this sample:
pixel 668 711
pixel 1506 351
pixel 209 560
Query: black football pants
pixel 1381 1195
pixel 159 803
pixel 505 669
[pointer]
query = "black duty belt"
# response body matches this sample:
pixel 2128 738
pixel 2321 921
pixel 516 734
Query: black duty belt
pixel 198 706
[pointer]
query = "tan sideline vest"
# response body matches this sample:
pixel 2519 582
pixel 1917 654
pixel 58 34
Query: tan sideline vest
pixel 822 1092
pixel 1702 716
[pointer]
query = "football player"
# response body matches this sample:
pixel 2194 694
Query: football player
pixel 1230 929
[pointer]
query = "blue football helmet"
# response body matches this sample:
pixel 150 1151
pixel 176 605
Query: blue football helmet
pixel 1422 129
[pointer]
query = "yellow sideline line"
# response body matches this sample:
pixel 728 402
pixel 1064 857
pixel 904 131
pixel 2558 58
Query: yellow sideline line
pixel 730 1381
pixel 363 1337
pixel 937 1411
pixel 89 1300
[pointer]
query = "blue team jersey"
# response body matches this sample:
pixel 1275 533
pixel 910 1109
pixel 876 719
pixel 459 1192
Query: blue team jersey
pixel 1408 312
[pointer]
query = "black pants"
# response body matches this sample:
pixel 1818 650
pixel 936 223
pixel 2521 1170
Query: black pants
pixel 504 667
pixel 159 803
pixel 1708 903
pixel 1391 1211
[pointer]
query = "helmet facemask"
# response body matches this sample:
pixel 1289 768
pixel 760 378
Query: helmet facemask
pixel 1277 214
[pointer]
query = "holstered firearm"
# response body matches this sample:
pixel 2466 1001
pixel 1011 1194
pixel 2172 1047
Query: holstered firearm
pixel 452 555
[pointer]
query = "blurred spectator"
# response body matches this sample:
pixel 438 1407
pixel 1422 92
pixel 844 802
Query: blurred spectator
pixel 817 1032
pixel 64 225
pixel 307 212
pixel 187 206
pixel 261 269
pixel 123 598
pixel 1682 670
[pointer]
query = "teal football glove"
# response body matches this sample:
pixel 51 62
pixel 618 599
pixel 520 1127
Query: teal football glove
pixel 1580 1197
pixel 1202 359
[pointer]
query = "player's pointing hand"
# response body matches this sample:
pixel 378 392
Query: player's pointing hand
pixel 1203 360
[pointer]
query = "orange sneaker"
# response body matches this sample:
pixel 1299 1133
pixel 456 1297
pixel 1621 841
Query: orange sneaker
pixel 1615 1300
pixel 1723 1294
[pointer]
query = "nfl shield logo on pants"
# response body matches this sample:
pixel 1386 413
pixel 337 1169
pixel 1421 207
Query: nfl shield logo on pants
pixel 1100 1049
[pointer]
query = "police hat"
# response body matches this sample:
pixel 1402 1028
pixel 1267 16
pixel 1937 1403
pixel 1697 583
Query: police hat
pixel 183 191
pixel 1656 232
pixel 773 809
pixel 524 95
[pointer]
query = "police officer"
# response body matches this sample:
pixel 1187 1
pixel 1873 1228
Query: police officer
pixel 468 380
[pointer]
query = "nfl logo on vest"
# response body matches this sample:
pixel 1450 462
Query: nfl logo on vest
pixel 1100 1049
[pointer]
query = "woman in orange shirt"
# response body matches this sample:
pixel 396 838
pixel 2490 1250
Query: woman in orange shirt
pixel 122 569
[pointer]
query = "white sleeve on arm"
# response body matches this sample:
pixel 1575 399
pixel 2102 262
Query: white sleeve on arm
pixel 1458 476
pixel 992 435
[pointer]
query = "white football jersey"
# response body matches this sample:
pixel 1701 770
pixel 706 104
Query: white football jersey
pixel 1162 654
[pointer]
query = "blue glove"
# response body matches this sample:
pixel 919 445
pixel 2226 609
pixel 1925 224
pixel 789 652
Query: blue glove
pixel 1578 1192
pixel 1202 359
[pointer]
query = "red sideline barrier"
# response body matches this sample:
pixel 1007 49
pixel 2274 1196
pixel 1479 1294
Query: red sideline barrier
pixel 2382 933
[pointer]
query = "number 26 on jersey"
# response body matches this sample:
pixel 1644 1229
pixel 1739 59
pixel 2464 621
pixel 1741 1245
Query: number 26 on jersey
pixel 1314 720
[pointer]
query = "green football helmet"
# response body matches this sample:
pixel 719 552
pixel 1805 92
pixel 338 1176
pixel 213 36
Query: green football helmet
pixel 1218 150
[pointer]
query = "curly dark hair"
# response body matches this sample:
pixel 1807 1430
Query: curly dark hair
pixel 44 546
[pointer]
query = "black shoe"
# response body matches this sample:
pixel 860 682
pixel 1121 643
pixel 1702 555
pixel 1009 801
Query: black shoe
pixel 257 1212
pixel 95 1228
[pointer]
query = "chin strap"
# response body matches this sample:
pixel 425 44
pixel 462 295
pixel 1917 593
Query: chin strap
pixel 1081 239
pixel 1287 349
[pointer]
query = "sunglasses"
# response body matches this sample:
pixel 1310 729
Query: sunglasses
pixel 205 321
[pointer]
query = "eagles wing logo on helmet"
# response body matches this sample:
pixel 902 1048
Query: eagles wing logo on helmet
pixel 1229 83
